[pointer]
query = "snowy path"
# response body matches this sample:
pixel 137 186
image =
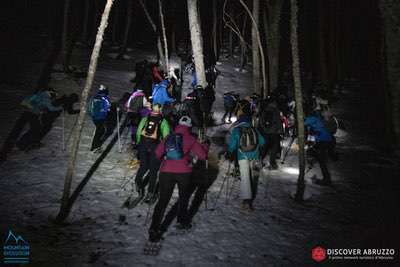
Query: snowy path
pixel 99 232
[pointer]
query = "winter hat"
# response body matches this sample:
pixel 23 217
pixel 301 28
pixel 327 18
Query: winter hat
pixel 103 89
pixel 186 121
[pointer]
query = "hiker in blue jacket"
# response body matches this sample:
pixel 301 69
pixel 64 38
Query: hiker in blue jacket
pixel 99 107
pixel 323 140
pixel 160 93
pixel 245 141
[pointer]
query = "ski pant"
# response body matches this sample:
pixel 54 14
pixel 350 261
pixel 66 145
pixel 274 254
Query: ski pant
pixel 148 162
pixel 200 190
pixel 321 155
pixel 25 118
pixel 167 185
pixel 272 146
pixel 248 179
pixel 134 119
pixel 99 134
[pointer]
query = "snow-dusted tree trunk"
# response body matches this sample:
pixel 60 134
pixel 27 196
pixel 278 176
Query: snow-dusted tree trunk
pixel 64 49
pixel 294 40
pixel 128 26
pixel 154 27
pixel 257 51
pixel 243 46
pixel 197 41
pixel 160 8
pixel 65 207
pixel 272 18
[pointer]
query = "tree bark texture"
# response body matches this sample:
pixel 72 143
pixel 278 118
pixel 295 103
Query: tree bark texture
pixel 272 18
pixel 154 27
pixel 65 208
pixel 197 41
pixel 294 40
pixel 160 8
pixel 256 39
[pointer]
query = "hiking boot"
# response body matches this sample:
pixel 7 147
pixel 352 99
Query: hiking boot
pixel 155 236
pixel 322 182
pixel 273 167
pixel 245 206
pixel 148 198
pixel 181 226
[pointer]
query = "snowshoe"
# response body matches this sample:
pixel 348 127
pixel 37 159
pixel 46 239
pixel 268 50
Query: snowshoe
pixel 152 248
pixel 130 203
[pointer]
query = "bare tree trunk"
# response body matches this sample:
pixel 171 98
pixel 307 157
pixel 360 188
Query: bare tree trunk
pixel 128 26
pixel 64 49
pixel 173 28
pixel 298 98
pixel 214 31
pixel 65 207
pixel 272 18
pixel 197 42
pixel 154 27
pixel 256 39
pixel 243 46
pixel 164 35
pixel 230 34
pixel 85 22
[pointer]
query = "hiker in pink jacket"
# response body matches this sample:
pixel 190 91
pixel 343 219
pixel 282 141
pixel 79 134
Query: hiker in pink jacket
pixel 176 152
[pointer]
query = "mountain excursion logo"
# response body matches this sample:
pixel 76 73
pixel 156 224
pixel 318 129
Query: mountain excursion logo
pixel 15 250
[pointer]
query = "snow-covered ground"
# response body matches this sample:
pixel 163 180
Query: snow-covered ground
pixel 280 232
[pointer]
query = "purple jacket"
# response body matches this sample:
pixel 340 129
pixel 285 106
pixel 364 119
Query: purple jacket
pixel 190 146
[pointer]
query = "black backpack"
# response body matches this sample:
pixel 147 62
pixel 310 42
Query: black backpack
pixel 150 129
pixel 136 104
pixel 248 140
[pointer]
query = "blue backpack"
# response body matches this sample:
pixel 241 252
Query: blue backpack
pixel 174 146
pixel 229 101
pixel 98 108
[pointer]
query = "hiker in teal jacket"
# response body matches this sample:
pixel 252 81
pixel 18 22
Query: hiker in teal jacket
pixel 247 162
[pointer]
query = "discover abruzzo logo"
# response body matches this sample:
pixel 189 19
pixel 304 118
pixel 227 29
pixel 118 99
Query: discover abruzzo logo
pixel 15 249
pixel 320 254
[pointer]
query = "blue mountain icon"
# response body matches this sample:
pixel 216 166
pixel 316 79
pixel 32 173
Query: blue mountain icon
pixel 16 238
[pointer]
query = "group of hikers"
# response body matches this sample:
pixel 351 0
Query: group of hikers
pixel 169 135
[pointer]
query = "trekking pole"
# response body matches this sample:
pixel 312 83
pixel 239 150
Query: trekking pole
pixel 206 195
pixel 119 135
pixel 288 150
pixel 63 130
pixel 222 185
pixel 227 189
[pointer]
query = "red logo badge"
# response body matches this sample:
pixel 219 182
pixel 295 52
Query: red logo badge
pixel 318 254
